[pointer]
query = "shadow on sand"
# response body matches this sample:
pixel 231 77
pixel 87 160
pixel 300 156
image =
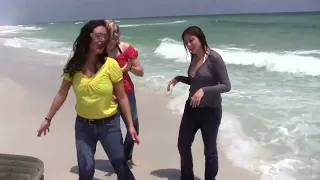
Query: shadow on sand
pixel 169 174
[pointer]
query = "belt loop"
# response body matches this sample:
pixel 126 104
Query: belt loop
pixel 87 121
pixel 90 122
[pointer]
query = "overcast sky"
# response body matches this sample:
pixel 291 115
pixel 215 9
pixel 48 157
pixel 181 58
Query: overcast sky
pixel 32 11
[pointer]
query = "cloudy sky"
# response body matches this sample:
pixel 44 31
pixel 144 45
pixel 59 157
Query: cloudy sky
pixel 32 11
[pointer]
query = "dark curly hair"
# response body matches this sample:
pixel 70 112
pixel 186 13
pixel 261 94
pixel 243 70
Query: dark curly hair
pixel 81 48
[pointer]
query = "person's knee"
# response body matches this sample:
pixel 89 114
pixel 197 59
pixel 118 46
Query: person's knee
pixel 211 154
pixel 122 169
pixel 184 146
pixel 119 164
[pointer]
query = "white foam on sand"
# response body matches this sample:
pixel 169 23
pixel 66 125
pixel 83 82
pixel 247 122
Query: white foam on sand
pixel 243 151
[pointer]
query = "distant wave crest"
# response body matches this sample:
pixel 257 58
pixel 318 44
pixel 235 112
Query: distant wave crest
pixel 4 30
pixel 298 62
pixel 153 24
pixel 256 23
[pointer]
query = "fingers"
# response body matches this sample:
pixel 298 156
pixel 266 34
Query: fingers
pixel 127 66
pixel 39 133
pixel 137 139
pixel 168 87
pixel 192 102
pixel 195 101
pixel 44 131
pixel 40 130
pixel 173 83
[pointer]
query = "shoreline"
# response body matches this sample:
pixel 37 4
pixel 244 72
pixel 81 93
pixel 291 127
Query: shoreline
pixel 30 95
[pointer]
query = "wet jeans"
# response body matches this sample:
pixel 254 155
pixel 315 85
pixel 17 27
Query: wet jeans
pixel 208 121
pixel 108 132
pixel 128 142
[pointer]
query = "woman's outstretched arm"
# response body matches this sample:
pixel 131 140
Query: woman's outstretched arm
pixel 60 98
pixel 183 79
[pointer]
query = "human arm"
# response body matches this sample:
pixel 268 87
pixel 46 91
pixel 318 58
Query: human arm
pixel 219 69
pixel 183 79
pixel 177 79
pixel 136 67
pixel 133 64
pixel 125 107
pixel 122 98
pixel 59 98
pixel 58 101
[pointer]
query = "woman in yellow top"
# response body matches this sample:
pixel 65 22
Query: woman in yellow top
pixel 93 77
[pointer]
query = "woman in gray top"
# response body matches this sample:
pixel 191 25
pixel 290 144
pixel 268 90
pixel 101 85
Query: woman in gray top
pixel 208 78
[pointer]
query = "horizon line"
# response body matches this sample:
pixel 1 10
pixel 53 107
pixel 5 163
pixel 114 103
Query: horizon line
pixel 177 16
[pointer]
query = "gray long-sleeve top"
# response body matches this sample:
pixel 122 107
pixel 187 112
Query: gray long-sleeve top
pixel 212 77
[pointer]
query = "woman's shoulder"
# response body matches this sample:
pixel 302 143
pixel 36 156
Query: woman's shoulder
pixel 129 51
pixel 124 45
pixel 110 60
pixel 214 56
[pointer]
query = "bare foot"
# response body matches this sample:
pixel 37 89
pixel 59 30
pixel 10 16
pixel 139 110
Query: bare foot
pixel 134 162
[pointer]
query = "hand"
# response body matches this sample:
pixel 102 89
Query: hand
pixel 134 135
pixel 126 67
pixel 44 127
pixel 173 82
pixel 196 98
pixel 114 97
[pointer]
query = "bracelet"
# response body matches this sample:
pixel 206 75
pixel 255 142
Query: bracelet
pixel 48 119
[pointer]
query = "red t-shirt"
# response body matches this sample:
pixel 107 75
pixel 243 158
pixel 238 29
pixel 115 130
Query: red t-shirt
pixel 129 54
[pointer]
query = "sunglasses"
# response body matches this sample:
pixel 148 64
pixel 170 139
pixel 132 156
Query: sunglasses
pixel 99 36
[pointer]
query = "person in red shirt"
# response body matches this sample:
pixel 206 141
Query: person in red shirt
pixel 127 57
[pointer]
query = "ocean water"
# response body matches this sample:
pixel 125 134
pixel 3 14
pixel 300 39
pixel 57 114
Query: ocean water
pixel 271 121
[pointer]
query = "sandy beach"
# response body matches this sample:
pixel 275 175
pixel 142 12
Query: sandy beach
pixel 27 91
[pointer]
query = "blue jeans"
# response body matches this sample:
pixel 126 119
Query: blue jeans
pixel 108 132
pixel 128 142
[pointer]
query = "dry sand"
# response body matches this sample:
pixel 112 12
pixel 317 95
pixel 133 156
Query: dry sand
pixel 26 93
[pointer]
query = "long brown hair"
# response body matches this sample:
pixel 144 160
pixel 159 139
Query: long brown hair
pixel 81 48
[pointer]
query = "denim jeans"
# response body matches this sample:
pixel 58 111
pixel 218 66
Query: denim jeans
pixel 128 142
pixel 109 134
pixel 208 121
